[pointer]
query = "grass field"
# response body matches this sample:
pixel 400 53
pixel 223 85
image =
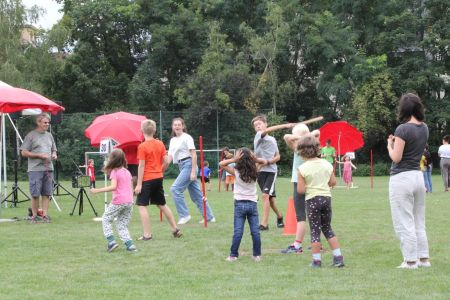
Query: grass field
pixel 68 260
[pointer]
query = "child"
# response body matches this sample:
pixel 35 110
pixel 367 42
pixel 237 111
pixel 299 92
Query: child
pixel 299 199
pixel 245 199
pixel 347 173
pixel 90 171
pixel 207 174
pixel 153 161
pixel 121 203
pixel 315 177
pixel 265 147
pixel 229 178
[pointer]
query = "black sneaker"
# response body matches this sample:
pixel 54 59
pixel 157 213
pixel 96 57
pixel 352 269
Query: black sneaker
pixel 316 264
pixel 280 223
pixel 177 233
pixel 292 249
pixel 263 228
pixel 46 219
pixel 112 246
pixel 338 261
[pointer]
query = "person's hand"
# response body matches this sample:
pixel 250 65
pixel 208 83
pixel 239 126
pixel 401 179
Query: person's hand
pixel 94 190
pixel 238 155
pixel 44 156
pixel 54 156
pixel 137 189
pixel 193 176
pixel 390 141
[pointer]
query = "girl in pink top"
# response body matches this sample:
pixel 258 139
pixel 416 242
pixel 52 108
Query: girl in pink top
pixel 121 203
pixel 347 173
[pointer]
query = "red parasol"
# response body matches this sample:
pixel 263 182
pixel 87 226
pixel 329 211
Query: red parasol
pixel 123 127
pixel 344 137
pixel 16 99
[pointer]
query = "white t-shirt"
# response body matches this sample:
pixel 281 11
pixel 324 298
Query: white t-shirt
pixel 243 190
pixel 444 151
pixel 180 147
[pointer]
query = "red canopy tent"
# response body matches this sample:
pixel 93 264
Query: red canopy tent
pixel 16 99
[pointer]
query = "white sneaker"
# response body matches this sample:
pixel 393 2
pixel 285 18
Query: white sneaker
pixel 405 265
pixel 256 258
pixel 213 220
pixel 184 220
pixel 231 258
pixel 424 264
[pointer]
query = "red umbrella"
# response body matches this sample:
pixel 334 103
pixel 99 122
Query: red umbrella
pixel 15 99
pixel 123 127
pixel 344 137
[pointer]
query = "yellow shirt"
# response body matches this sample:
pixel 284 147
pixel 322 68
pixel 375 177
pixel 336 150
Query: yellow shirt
pixel 316 173
pixel 422 163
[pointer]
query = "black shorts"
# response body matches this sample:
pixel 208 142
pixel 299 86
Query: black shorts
pixel 266 182
pixel 133 169
pixel 299 205
pixel 152 192
pixel 206 179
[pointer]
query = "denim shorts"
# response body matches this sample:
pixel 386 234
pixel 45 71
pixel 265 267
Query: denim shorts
pixel 41 183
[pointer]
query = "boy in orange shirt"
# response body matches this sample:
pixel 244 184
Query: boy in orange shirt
pixel 153 162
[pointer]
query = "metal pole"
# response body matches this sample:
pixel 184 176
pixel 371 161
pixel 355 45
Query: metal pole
pixel 217 135
pixel 5 186
pixel 160 125
pixel 1 163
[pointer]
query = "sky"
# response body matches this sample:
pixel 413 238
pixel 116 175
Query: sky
pixel 51 17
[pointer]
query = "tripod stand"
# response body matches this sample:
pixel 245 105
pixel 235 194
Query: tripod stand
pixel 80 197
pixel 13 197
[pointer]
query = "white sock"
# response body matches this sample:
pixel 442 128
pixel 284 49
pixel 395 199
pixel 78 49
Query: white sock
pixel 297 245
pixel 337 252
pixel 316 256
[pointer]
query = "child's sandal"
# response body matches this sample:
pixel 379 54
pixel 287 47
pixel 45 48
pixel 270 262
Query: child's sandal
pixel 144 238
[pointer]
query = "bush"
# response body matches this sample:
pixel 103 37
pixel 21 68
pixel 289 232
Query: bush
pixel 379 169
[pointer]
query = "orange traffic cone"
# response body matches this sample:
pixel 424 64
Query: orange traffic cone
pixel 290 223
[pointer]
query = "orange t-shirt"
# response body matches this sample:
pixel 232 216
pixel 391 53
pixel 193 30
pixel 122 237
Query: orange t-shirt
pixel 152 152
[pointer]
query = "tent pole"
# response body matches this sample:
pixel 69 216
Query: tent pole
pixel 339 153
pixel 1 164
pixel 5 183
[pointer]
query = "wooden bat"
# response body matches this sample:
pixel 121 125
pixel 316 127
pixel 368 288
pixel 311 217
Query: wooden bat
pixel 316 119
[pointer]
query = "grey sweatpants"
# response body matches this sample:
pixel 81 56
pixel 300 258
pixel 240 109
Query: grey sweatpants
pixel 407 199
pixel 123 214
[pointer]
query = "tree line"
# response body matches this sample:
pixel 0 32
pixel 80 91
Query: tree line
pixel 342 59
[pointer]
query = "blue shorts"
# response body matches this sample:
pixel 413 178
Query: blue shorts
pixel 41 183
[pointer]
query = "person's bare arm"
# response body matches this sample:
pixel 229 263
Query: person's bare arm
pixel 395 151
pixel 194 164
pixel 108 188
pixel 29 154
pixel 165 163
pixel 291 141
pixel 332 181
pixel 224 164
pixel 275 158
pixel 140 177
pixel 301 184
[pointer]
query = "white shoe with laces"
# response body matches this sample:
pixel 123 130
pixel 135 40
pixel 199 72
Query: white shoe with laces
pixel 213 220
pixel 405 265
pixel 184 220
pixel 424 264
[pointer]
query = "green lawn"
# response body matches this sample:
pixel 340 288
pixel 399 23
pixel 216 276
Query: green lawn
pixel 68 260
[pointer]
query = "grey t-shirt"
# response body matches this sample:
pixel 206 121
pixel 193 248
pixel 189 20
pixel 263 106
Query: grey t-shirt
pixel 266 147
pixel 39 142
pixel 415 137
